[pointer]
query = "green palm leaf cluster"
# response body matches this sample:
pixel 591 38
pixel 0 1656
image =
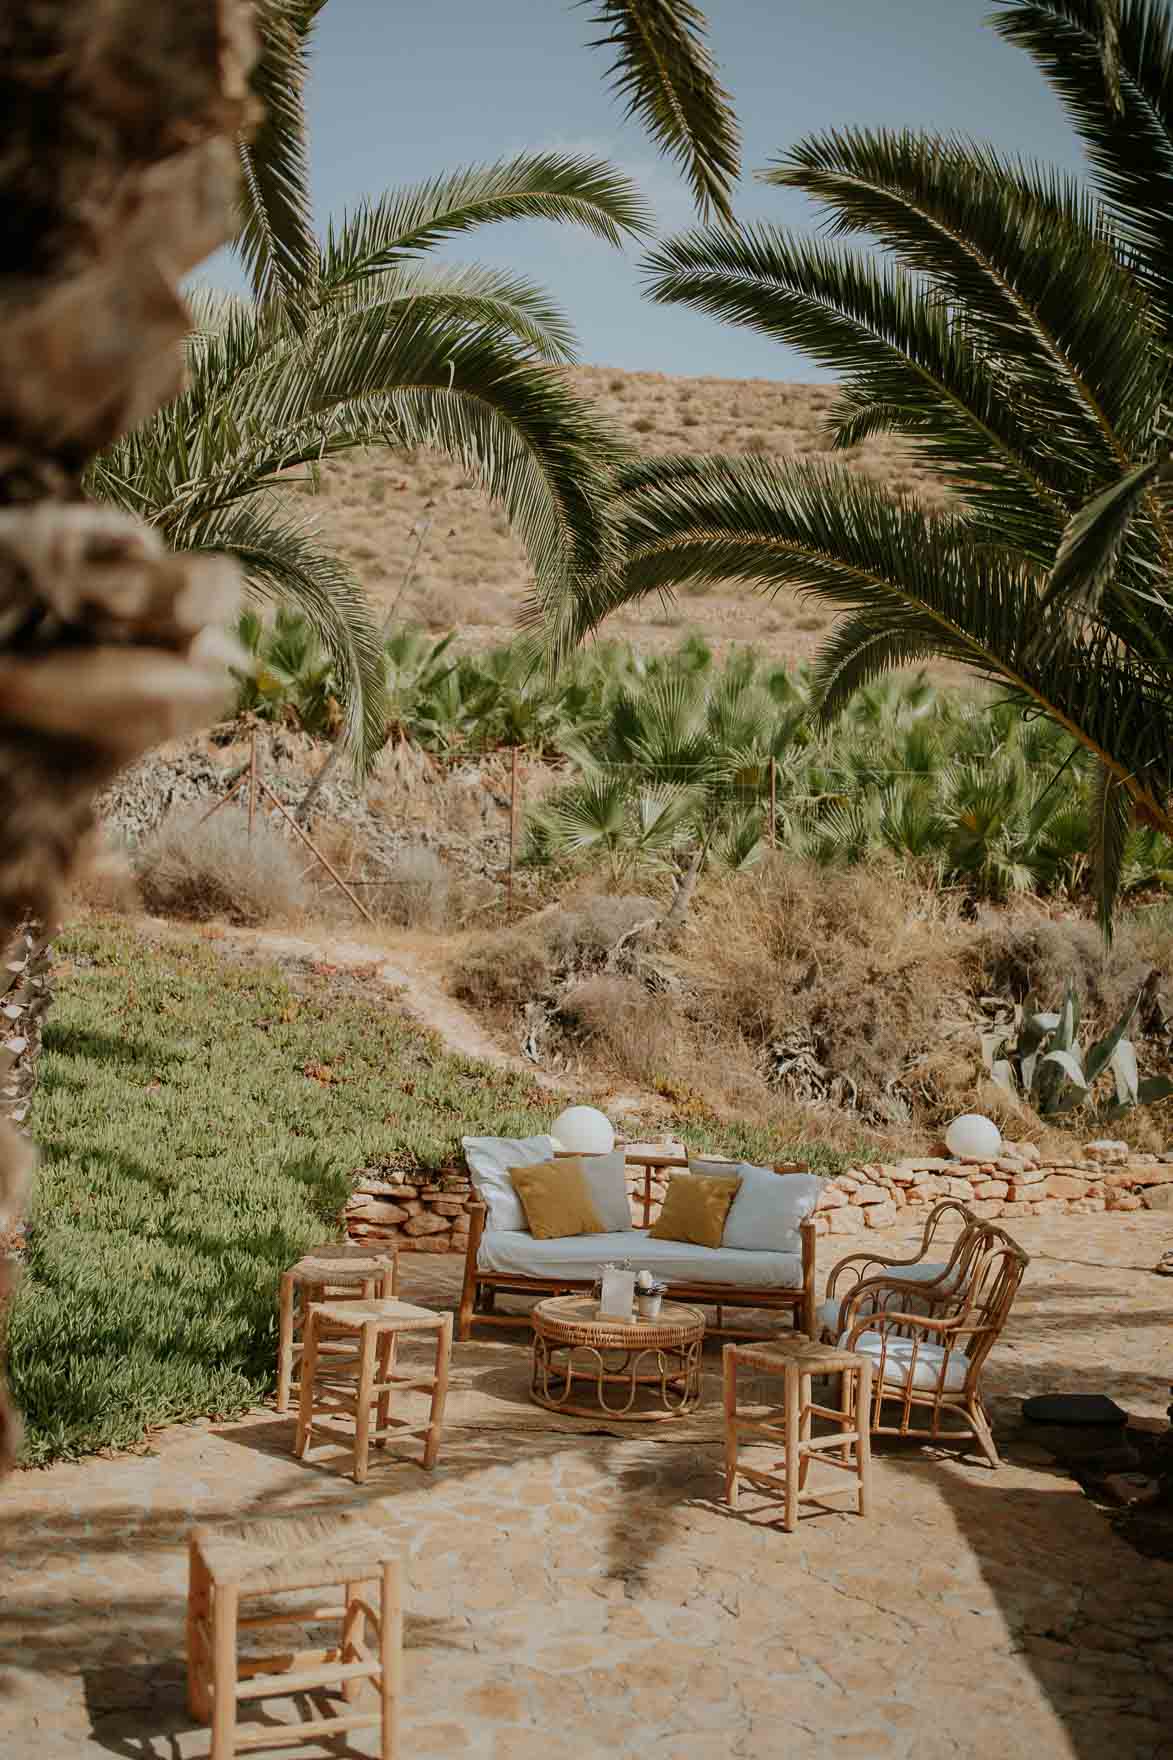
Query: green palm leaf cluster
pixel 1015 326
pixel 360 339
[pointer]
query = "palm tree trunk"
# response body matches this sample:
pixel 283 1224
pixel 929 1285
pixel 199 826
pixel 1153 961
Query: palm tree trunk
pixel 25 994
pixel 118 177
pixel 677 911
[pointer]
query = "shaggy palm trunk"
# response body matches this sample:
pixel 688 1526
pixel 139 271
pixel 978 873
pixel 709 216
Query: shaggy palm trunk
pixel 118 176
pixel 25 994
pixel 685 887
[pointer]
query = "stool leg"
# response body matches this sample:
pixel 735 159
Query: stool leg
pixel 805 1393
pixel 225 1602
pixel 284 1341
pixel 863 1444
pixel 391 1657
pixel 848 1391
pixel 729 1390
pixel 199 1607
pixel 439 1392
pixel 386 1368
pixel 790 1398
pixel 362 1416
pixel 352 1625
pixel 305 1404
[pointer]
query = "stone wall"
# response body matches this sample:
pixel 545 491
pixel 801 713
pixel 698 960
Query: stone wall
pixel 428 1213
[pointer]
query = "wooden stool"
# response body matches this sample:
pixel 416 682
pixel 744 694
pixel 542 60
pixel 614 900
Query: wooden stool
pixel 370 1369
pixel 267 1558
pixel 797 1362
pixel 335 1272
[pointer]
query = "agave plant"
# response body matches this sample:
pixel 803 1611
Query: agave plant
pixel 1019 335
pixel 1044 1062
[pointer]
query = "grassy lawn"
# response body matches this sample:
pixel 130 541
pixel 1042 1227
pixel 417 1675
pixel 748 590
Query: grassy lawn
pixel 198 1124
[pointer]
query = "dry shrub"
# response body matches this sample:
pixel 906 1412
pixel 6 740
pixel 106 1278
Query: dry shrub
pixel 859 961
pixel 414 894
pixel 1024 950
pixel 104 879
pixel 634 1032
pixel 502 972
pixel 201 868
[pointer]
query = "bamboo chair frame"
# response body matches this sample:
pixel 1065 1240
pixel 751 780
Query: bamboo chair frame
pixel 936 1292
pixel 229 1566
pixel 349 1386
pixel 978 1310
pixel 336 1272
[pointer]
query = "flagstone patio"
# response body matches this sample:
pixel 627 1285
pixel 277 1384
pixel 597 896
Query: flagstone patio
pixel 576 1595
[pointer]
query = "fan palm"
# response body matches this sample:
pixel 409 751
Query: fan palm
pixel 1016 327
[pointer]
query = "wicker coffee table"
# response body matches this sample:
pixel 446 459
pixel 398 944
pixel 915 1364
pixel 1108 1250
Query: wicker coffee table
pixel 654 1365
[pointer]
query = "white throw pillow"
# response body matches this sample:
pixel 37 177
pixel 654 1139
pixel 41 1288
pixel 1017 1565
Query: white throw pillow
pixel 489 1160
pixel 765 1215
pixel 606 1178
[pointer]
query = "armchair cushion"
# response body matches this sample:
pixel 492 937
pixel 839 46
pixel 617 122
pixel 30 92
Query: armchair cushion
pixel 924 1271
pixel 930 1373
pixel 489 1160
pixel 769 1207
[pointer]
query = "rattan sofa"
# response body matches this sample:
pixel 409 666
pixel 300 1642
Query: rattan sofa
pixel 720 1280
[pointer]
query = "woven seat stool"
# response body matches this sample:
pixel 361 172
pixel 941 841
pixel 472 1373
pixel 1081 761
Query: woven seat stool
pixel 269 1558
pixel 798 1362
pixel 334 1272
pixel 351 1384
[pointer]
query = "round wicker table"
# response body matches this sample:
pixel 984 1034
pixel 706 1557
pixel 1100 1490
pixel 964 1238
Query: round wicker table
pixel 642 1370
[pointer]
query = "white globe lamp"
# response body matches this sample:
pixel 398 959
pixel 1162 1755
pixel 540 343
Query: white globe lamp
pixel 583 1130
pixel 974 1138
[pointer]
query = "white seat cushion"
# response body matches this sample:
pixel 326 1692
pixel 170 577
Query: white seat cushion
pixel 606 1178
pixel 768 1208
pixel 489 1160
pixel 516 1253
pixel 927 1370
pixel 926 1271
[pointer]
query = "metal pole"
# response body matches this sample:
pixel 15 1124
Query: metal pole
pixel 316 852
pixel 252 784
pixel 773 802
pixel 512 824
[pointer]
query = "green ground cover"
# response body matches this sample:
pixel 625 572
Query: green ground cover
pixel 198 1123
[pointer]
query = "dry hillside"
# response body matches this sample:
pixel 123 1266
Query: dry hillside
pixel 472 574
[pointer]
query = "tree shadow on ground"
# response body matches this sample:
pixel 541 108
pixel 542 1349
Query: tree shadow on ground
pixel 1091 1618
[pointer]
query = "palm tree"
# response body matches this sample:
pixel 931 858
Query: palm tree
pixel 1019 334
pixel 354 341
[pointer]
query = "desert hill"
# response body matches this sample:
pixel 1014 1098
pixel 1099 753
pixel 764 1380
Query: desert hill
pixel 471 573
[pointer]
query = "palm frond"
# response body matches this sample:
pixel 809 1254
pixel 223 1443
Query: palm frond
pixel 1090 547
pixel 918 578
pixel 570 188
pixel 281 562
pixel 909 365
pixel 665 74
pixel 275 234
pixel 477 293
pixel 1126 126
pixel 1020 255
pixel 1112 821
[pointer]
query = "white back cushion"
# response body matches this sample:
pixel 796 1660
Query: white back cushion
pixel 489 1160
pixel 765 1215
pixel 606 1178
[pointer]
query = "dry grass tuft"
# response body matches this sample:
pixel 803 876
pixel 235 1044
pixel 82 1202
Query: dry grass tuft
pixel 214 869
pixel 415 895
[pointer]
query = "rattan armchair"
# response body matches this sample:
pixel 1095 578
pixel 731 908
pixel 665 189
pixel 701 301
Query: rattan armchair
pixel 931 1364
pixel 934 1280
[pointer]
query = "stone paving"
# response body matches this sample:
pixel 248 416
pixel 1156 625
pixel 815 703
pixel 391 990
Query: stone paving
pixel 574 1596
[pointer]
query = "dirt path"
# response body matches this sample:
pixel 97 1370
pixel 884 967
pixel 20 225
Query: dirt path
pixel 402 975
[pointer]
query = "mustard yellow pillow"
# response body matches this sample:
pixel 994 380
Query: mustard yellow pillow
pixel 695 1209
pixel 555 1199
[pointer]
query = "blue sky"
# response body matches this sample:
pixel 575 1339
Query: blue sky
pixel 402 91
